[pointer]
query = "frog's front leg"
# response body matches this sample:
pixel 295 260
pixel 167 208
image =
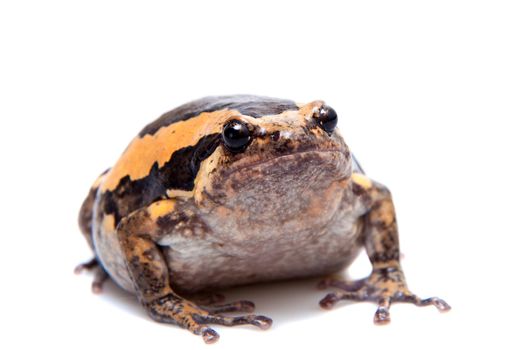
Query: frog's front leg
pixel 138 234
pixel 386 283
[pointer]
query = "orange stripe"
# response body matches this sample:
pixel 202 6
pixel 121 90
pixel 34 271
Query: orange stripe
pixel 143 152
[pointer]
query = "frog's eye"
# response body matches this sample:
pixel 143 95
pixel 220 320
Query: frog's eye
pixel 327 119
pixel 236 135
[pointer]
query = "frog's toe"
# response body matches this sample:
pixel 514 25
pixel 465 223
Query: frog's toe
pixel 86 266
pixel 440 304
pixel 213 304
pixel 261 322
pixel 236 306
pixel 209 335
pixel 382 315
pixel 100 275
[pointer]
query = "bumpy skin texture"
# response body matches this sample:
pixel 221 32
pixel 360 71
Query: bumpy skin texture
pixel 182 212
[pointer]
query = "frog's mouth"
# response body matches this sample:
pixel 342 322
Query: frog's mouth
pixel 299 186
pixel 287 174
pixel 298 161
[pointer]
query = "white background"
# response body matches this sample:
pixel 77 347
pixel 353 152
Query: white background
pixel 430 97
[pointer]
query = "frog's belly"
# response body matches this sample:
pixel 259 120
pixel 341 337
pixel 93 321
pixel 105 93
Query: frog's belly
pixel 199 264
pixel 204 264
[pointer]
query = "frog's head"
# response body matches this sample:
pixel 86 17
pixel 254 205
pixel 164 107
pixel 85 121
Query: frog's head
pixel 278 164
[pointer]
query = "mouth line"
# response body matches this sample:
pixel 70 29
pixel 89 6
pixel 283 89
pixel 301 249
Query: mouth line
pixel 262 162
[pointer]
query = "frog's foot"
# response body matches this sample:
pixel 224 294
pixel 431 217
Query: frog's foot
pixel 383 286
pixel 100 274
pixel 173 309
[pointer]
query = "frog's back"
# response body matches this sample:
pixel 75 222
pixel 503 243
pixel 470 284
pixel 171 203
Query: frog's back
pixel 251 105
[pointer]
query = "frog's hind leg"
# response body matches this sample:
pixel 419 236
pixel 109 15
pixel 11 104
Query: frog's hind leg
pixel 386 284
pixel 139 234
pixel 85 222
pixel 100 275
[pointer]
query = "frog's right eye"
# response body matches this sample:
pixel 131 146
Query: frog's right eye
pixel 236 135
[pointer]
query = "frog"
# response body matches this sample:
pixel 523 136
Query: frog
pixel 234 190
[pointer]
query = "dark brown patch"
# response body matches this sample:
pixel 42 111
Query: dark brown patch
pixel 358 190
pixel 254 106
pixel 178 173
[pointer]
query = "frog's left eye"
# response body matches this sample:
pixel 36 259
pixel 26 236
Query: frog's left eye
pixel 236 135
pixel 327 119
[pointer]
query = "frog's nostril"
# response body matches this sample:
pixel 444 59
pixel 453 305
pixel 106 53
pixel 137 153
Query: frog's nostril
pixel 280 135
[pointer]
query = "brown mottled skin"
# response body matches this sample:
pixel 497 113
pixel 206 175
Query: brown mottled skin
pixel 189 207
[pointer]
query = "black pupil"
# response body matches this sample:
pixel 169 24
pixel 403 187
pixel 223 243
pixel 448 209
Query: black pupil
pixel 328 119
pixel 236 135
